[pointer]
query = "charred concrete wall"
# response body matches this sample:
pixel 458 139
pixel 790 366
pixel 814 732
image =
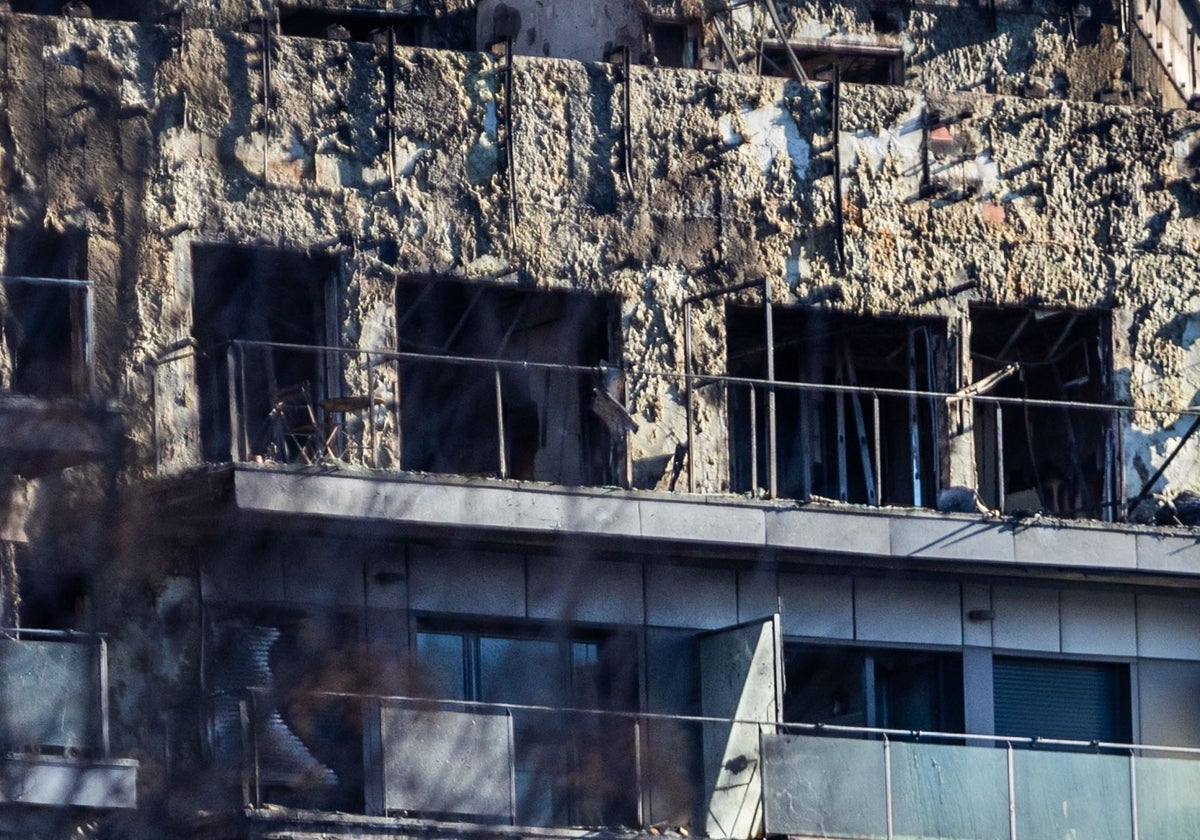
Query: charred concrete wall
pixel 151 146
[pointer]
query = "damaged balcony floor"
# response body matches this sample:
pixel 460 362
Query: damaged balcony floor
pixel 490 509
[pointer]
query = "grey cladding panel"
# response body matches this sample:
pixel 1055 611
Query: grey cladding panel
pixel 913 611
pixel 437 761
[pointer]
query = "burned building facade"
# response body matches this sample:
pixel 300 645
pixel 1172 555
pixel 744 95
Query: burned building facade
pixel 620 415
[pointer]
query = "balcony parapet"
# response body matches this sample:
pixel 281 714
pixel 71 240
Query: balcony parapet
pixel 54 746
pixel 808 779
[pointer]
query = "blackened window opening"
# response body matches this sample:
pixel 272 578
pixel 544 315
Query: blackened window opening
pixel 126 10
pixel 675 43
pixel 449 417
pixel 1049 459
pixel 819 440
pixel 44 322
pixel 257 295
pixel 365 25
pixel 858 65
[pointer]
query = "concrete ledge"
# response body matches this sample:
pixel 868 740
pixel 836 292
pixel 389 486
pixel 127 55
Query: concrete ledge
pixel 68 782
pixel 722 522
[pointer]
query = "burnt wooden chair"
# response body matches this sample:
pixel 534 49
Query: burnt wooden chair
pixel 295 433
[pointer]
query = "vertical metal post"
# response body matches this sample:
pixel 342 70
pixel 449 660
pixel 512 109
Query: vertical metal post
pixel 1122 490
pixel 753 442
pixel 887 786
pixel 999 456
pixel 255 734
pixel 154 432
pixel 102 651
pixel 89 343
pixel 398 415
pixel 371 412
pixel 772 465
pixel 500 427
pixel 914 434
pixel 637 766
pixel 687 387
pixel 878 451
pixel 1133 797
pixel 247 738
pixel 232 389
pixel 512 770
pixel 840 413
pixel 1012 795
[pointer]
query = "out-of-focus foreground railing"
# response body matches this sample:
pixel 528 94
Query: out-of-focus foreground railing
pixel 541 766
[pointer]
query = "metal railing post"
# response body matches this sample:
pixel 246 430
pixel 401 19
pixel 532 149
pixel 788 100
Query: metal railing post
pixel 999 457
pixel 637 767
pixel 753 442
pixel 1133 796
pixel 371 412
pixel 772 466
pixel 398 416
pixel 102 651
pixel 500 439
pixel 887 785
pixel 231 386
pixel 1012 793
pixel 878 453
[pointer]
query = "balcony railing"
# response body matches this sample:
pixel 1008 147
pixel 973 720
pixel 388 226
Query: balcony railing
pixel 53 692
pixel 573 425
pixel 54 747
pixel 541 766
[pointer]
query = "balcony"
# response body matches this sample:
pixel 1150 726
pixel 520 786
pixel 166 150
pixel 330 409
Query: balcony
pixel 520 765
pixel 54 724
pixel 578 426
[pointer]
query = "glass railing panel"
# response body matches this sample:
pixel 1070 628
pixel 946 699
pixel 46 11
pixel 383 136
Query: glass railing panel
pixel 945 791
pixel 49 695
pixel 824 787
pixel 1064 794
pixel 1168 796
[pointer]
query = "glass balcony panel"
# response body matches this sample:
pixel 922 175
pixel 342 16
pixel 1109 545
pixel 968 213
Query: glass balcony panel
pixel 1072 795
pixel 49 695
pixel 944 791
pixel 1168 794
pixel 824 787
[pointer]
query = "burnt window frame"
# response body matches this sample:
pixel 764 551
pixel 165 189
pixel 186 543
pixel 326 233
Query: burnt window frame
pixel 249 423
pixel 110 10
pixel 774 60
pixel 44 277
pixel 691 48
pixel 363 24
pixel 1087 488
pixel 805 352
pixel 600 450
